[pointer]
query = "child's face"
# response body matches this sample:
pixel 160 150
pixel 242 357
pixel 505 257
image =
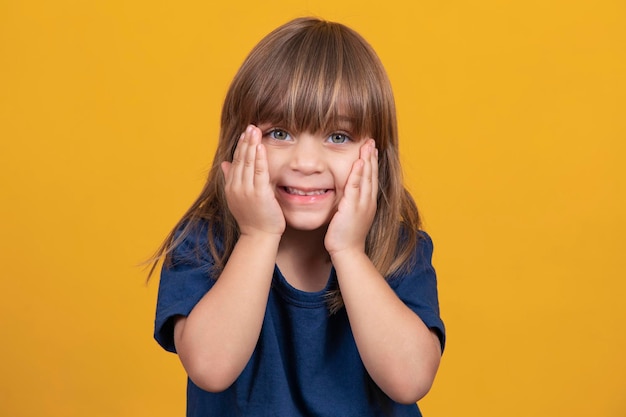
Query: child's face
pixel 309 172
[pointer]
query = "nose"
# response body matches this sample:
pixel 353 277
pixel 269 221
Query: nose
pixel 307 155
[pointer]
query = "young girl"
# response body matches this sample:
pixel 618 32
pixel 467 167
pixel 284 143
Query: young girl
pixel 299 283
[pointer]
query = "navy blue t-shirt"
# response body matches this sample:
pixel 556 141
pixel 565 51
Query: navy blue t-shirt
pixel 306 362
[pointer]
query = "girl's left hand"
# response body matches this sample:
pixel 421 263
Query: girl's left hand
pixel 351 223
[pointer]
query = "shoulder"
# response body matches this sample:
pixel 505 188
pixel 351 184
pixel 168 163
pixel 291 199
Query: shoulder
pixel 190 245
pixel 416 285
pixel 416 278
pixel 186 276
pixel 424 247
pixel 420 245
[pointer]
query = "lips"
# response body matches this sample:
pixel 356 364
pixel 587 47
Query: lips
pixel 297 191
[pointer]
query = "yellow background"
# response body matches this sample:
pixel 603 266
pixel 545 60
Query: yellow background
pixel 512 128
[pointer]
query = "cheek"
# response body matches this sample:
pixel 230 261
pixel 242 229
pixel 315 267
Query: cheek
pixel 273 165
pixel 343 169
pixel 273 174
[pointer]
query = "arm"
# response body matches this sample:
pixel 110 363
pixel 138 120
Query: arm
pixel 399 352
pixel 216 340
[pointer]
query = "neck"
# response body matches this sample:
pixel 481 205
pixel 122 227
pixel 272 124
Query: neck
pixel 303 259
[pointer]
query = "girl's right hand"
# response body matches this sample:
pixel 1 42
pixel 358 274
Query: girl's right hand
pixel 249 193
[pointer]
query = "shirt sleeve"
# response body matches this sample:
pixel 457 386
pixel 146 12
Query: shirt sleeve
pixel 184 281
pixel 417 288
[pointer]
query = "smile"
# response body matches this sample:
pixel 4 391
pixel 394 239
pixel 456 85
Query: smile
pixel 295 191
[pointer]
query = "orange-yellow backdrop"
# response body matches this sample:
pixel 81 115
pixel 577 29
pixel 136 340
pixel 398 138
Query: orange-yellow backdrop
pixel 512 117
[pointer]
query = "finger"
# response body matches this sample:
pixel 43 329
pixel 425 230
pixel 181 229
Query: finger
pixel 367 167
pixel 374 172
pixel 236 168
pixel 249 159
pixel 261 170
pixel 353 184
pixel 237 155
pixel 366 178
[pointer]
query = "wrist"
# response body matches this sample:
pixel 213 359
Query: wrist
pixel 347 254
pixel 260 237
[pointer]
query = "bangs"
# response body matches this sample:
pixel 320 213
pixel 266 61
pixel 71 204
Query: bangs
pixel 317 80
pixel 319 113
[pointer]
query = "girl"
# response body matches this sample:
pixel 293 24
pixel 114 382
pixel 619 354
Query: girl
pixel 298 283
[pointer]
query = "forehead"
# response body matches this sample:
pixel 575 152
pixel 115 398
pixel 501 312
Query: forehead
pixel 323 113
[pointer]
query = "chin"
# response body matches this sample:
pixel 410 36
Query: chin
pixel 307 225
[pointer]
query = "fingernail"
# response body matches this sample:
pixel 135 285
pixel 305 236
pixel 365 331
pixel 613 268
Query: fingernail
pixel 249 128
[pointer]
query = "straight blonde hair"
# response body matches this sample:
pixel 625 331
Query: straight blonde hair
pixel 307 75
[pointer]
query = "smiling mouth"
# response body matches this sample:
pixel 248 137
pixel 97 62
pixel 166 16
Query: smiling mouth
pixel 295 191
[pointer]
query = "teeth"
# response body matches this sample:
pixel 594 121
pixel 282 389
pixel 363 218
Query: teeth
pixel 300 192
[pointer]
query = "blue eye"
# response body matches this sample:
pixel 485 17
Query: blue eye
pixel 278 134
pixel 338 138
